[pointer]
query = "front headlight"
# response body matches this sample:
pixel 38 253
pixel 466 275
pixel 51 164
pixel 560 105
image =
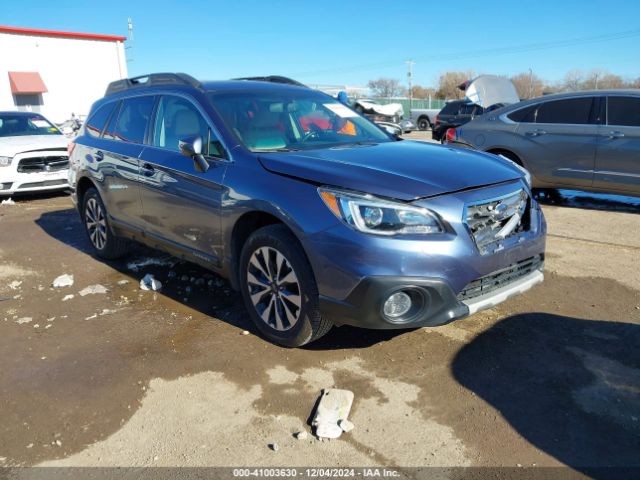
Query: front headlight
pixel 369 214
pixel 5 161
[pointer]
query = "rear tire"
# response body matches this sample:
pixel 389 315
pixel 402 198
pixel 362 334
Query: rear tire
pixel 279 289
pixel 424 123
pixel 96 223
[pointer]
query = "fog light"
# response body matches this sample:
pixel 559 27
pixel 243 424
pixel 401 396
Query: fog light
pixel 397 305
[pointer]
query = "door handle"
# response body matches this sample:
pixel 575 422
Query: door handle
pixel 535 133
pixel 148 170
pixel 614 134
pixel 99 156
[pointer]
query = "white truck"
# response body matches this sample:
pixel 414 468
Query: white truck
pixel 424 118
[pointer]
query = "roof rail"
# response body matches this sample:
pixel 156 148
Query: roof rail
pixel 150 80
pixel 274 79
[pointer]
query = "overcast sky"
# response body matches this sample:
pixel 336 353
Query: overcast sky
pixel 351 42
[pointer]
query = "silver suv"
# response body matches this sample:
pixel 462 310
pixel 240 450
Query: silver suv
pixel 583 140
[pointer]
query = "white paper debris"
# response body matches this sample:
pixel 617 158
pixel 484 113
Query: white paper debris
pixel 68 297
pixel 65 280
pixel 14 285
pixel 8 201
pixel 23 320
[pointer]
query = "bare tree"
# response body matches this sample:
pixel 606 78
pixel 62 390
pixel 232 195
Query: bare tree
pixel 528 85
pixel 599 79
pixel 593 79
pixel 573 80
pixel 385 87
pixel 423 92
pixel 449 81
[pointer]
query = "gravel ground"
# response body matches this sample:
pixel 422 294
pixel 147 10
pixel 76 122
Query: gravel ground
pixel 137 378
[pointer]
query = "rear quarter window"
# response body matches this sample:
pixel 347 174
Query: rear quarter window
pixel 450 108
pixel 524 115
pixel 98 120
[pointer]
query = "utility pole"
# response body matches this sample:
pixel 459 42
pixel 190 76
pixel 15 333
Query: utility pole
pixel 130 38
pixel 410 64
pixel 530 83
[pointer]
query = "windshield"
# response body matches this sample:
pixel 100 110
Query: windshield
pixel 14 125
pixel 289 120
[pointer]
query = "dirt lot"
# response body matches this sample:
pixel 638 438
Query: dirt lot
pixel 134 378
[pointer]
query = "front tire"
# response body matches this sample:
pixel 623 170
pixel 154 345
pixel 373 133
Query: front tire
pixel 279 289
pixel 96 223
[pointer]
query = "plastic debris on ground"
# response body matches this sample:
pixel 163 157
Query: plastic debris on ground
pixel 148 282
pixel 333 409
pixel 8 201
pixel 65 280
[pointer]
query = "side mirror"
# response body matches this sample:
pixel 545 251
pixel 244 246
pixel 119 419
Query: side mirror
pixel 192 148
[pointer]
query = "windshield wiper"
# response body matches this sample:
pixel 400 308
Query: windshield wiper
pixel 361 143
pixel 267 150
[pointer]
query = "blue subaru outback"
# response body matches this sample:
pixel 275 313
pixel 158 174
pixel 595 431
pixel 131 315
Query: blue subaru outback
pixel 312 212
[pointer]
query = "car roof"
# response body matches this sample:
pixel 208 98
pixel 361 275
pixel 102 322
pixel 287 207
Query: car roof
pixel 564 95
pixel 21 114
pixel 251 85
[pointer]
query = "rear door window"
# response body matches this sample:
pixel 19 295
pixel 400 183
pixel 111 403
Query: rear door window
pixel 97 121
pixel 132 120
pixel 575 111
pixel 467 109
pixel 524 115
pixel 624 111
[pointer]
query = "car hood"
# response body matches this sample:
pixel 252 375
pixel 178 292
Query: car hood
pixel 11 146
pixel 403 170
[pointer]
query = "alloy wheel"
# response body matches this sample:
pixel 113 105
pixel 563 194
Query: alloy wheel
pixel 96 223
pixel 274 288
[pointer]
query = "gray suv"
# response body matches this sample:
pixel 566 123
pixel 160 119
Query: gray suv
pixel 583 140
pixel 312 212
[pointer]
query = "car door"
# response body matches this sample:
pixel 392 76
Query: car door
pixel 558 143
pixel 117 160
pixel 618 156
pixel 182 206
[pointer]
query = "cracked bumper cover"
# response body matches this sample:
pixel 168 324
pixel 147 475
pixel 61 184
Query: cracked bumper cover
pixel 364 306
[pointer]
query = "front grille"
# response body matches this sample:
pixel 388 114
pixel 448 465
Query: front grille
pixel 500 278
pixel 43 164
pixel 492 221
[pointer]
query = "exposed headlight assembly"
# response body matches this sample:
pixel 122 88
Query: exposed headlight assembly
pixel 370 214
pixel 5 161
